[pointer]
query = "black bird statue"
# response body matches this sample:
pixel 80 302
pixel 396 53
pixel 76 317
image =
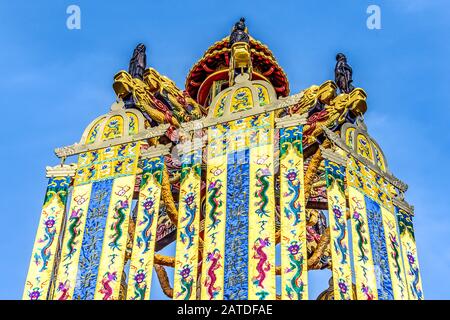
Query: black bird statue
pixel 138 62
pixel 239 33
pixel 343 74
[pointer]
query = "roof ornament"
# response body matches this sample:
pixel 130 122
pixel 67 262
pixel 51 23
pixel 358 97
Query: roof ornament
pixel 138 62
pixel 343 74
pixel 240 60
pixel 239 33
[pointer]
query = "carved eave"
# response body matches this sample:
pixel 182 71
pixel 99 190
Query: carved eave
pixel 156 151
pixel 404 205
pixel 335 139
pixel 190 146
pixel 331 155
pixel 276 105
pixel 215 63
pixel 78 148
pixel 64 170
pixel 291 120
pixel 193 125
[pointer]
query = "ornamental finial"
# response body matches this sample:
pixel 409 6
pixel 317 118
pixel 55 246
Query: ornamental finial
pixel 240 59
pixel 138 62
pixel 343 74
pixel 239 33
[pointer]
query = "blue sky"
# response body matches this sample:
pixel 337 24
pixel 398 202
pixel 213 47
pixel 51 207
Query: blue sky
pixel 54 81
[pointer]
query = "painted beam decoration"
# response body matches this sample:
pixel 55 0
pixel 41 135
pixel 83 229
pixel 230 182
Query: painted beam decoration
pixel 294 260
pixel 261 214
pixel 376 250
pixel 236 260
pixel 337 219
pixel 141 265
pixel 249 153
pixel 93 251
pixel 409 254
pixel 212 287
pixel 71 245
pixel 239 250
pixel 96 232
pixel 46 245
pixel 188 229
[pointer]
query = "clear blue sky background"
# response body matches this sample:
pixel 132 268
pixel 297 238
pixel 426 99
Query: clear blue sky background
pixel 54 81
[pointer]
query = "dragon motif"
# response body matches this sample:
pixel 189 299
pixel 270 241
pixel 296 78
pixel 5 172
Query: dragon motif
pixel 414 271
pixel 118 167
pixel 74 232
pixel 296 264
pixel 112 129
pixel 139 285
pixel 215 202
pixel 367 293
pixel 119 216
pixel 212 257
pixel 149 213
pixel 50 232
pixel 63 287
pixel 362 240
pixel 396 255
pixel 294 208
pixel 189 228
pixel 187 282
pixel 340 226
pixel 106 288
pixel 263 265
pixel 262 182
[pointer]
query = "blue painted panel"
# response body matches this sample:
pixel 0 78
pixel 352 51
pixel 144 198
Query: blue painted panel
pixel 379 251
pixel 91 247
pixel 236 236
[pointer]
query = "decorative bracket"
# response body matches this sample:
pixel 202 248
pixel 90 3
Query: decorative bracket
pixel 156 151
pixel 65 170
pixel 333 156
pixel 190 145
pixel 193 125
pixel 402 204
pixel 341 144
pixel 291 120
pixel 78 148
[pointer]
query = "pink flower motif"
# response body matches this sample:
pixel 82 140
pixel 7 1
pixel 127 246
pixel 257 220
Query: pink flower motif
pixel 291 176
pixel 35 294
pixel 50 223
pixel 294 249
pixel 148 204
pixel 189 199
pixel 185 272
pixel 343 287
pixel 411 259
pixel 337 212
pixel 140 277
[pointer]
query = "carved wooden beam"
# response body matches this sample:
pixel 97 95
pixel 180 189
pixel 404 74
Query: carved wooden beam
pixel 167 197
pixel 320 249
pixel 164 260
pixel 164 280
